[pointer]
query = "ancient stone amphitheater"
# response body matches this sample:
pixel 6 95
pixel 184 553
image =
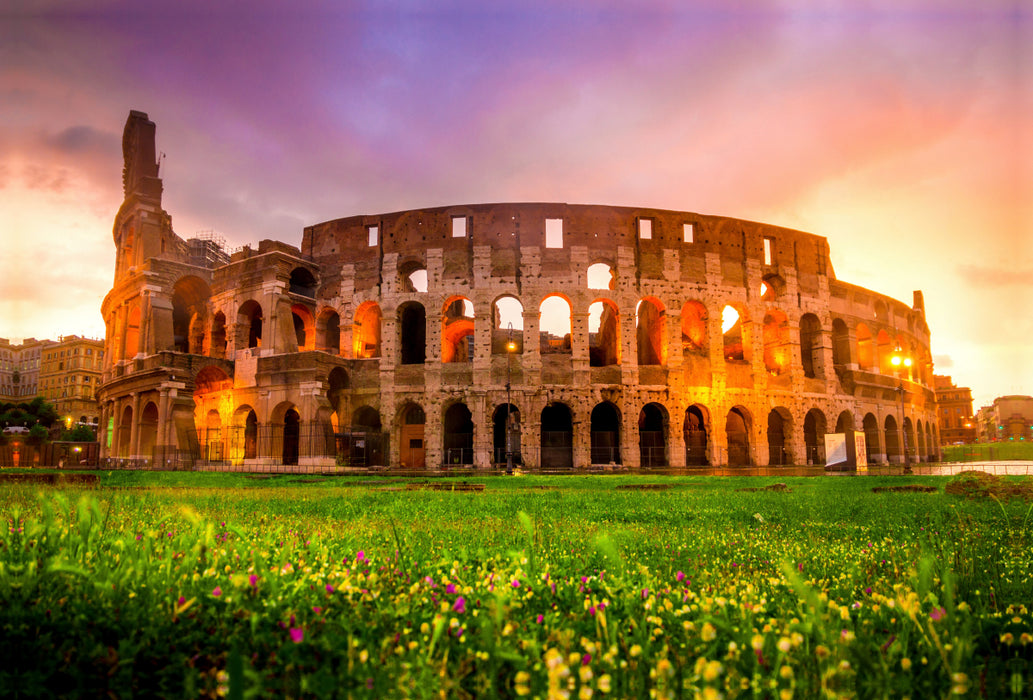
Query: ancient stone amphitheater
pixel 539 334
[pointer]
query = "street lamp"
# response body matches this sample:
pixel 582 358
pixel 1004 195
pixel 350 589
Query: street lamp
pixel 900 360
pixel 510 349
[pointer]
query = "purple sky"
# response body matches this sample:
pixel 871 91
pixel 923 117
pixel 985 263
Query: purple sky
pixel 902 131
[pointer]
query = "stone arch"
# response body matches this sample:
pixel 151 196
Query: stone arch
pixel 811 347
pixel 694 333
pixel 652 435
pixel 412 276
pixel 457 435
pixel 777 354
pixel 840 343
pixel 920 441
pixel 328 331
pixel 651 331
pixel 554 324
pixel 148 430
pixel 505 441
pixel 605 434
pixel 735 327
pixel 412 449
pixel 366 331
pixel 772 287
pixel 694 430
pixel 304 327
pixel 872 439
pixel 814 428
pixel 132 344
pixel 212 436
pixel 779 436
pixel 190 296
pixel 412 333
pixel 738 427
pixel 244 443
pixel 604 346
pixel 507 325
pixel 865 348
pixel 285 422
pixel 302 282
pixel 893 453
pixel 885 346
pixel 219 340
pixel 909 439
pixel 844 422
pixel 249 325
pixel 338 383
pixel 125 431
pixel 457 330
pixel 557 436
pixel 600 275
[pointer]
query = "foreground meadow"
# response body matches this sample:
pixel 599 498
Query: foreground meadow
pixel 200 585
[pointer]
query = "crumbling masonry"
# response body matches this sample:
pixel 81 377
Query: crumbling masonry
pixel 552 335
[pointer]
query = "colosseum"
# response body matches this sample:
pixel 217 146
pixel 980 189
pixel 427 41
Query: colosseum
pixel 548 336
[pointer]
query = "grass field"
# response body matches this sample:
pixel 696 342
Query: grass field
pixel 988 451
pixel 203 585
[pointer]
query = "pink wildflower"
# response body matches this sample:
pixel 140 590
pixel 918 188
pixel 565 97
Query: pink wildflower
pixel 329 588
pixel 679 577
pixel 937 614
pixel 253 580
pixel 361 556
pixel 460 605
pixel 450 588
pixel 297 635
pixel 216 591
pixel 515 583
pixel 540 618
pixel 645 593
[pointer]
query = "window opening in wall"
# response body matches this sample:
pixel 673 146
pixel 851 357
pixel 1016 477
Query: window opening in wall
pixel 508 326
pixel 458 227
pixel 645 229
pixel 600 276
pixel 768 251
pixel 457 331
pixel 687 233
pixel 372 235
pixel 554 325
pixel 554 233
pixel 603 335
pixel 650 328
pixel 736 343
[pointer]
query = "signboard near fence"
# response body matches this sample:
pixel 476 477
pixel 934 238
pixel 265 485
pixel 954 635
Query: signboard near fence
pixel 846 451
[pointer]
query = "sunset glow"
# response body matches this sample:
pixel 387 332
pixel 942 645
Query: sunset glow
pixel 899 131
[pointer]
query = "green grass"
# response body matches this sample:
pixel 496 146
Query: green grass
pixel 989 451
pixel 208 584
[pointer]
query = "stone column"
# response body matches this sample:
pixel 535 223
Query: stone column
pixel 134 439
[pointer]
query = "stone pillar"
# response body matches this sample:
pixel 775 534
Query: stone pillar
pixel 676 439
pixel 161 440
pixel 134 439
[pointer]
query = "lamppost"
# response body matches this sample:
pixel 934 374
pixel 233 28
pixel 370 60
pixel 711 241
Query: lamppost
pixel 510 348
pixel 899 360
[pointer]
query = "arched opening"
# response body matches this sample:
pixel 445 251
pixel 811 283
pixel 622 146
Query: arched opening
pixel 506 441
pixel 249 324
pixel 189 314
pixel 125 430
pixel 148 430
pixel 133 332
pixel 218 348
pixel 735 330
pixel 337 386
pixel 329 332
pixel 737 432
pixel 605 434
pixel 457 328
pixel 845 422
pixel 412 451
pixel 291 436
pixel 362 443
pixel 557 442
pixel 412 276
pixel 600 276
pixel 810 346
pixel 885 346
pixel 694 327
pixel 302 283
pixel 840 343
pixel 694 430
pixel 893 453
pixel 603 334
pixel 650 332
pixel 814 429
pixel 243 442
pixel 778 427
pixel 772 287
pixel 458 436
pixel 872 443
pixel 909 439
pixel 776 342
pixel 865 348
pixel 366 331
pixel 508 326
pixel 920 438
pixel 652 435
pixel 412 327
pixel 211 442
pixel 304 331
pixel 554 326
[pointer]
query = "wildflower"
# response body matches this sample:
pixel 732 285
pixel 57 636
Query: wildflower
pixel 540 618
pixel 679 577
pixel 514 583
pixel 712 670
pixel 297 634
pixel 460 605
pixel 450 588
pixel 253 580
pixel 361 556
pixel 605 683
pixel 329 588
pixel 784 645
pixel 521 683
pixel 216 591
pixel 586 659
pixel 635 650
pixel 905 664
pixel 937 614
pixel 645 593
pixel 708 632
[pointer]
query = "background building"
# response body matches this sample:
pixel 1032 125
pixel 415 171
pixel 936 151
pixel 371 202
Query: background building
pixel 560 335
pixel 19 369
pixel 69 377
pixel 1007 418
pixel 954 405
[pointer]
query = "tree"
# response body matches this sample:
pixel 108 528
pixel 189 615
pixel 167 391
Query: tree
pixel 80 433
pixel 37 435
pixel 44 411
